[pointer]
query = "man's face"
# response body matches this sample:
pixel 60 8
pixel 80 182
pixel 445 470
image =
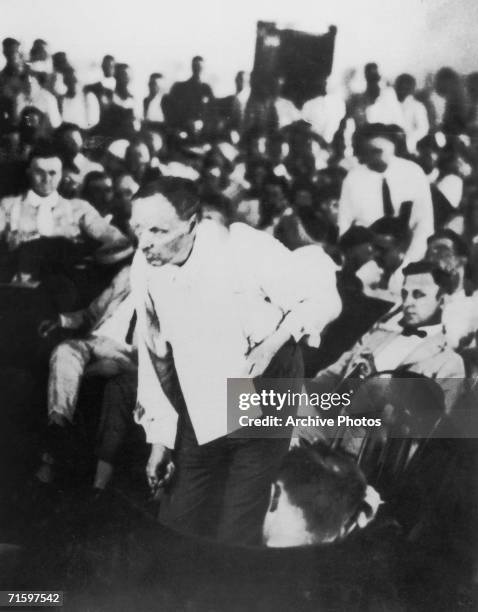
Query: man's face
pixel 403 89
pixel 45 175
pixel 420 299
pixel 155 86
pixel 162 236
pixel 73 141
pixel 330 209
pixel 70 184
pixel 108 67
pixel 101 193
pixel 388 254
pixel 379 152
pixel 441 251
pixel 197 67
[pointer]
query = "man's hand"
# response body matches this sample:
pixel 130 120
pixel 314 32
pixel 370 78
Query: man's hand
pixel 261 355
pixel 47 327
pixel 160 467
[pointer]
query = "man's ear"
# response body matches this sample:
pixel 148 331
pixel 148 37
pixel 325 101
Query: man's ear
pixel 274 498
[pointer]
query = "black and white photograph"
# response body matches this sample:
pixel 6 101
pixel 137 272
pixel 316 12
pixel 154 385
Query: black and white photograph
pixel 239 305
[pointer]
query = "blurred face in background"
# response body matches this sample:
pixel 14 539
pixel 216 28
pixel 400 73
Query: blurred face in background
pixel 330 209
pixel 100 193
pixel 125 189
pixel 378 153
pixel 108 66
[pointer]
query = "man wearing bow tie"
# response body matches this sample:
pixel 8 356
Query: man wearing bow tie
pixel 410 338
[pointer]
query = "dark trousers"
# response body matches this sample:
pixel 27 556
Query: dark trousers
pixel 221 489
pixel 116 419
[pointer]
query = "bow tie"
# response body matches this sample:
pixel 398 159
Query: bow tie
pixel 412 331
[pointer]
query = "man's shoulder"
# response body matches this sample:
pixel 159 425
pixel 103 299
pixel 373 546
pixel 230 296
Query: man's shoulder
pixel 6 202
pixel 358 173
pixel 77 205
pixel 253 242
pixel 409 167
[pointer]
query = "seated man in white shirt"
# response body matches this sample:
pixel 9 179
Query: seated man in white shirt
pixel 213 303
pixel 41 213
pixel 105 348
pixel 410 338
pixel 385 185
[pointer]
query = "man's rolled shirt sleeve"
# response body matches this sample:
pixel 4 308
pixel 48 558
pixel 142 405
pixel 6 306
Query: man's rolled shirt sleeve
pixel 303 284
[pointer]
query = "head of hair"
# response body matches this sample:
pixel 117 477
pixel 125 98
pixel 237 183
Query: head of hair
pixel 442 279
pixel 355 236
pixel 379 130
pixel 44 149
pixel 330 191
pixel 66 127
pixel 197 58
pixel 155 75
pixel 10 43
pixel 326 485
pixel 371 72
pixel 391 226
pixel 406 80
pixel 459 245
pixel 181 192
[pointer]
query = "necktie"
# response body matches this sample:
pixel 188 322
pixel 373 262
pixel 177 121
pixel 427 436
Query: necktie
pixel 387 200
pixel 130 332
pixel 413 331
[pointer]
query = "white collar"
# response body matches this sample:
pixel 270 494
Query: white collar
pixel 36 201
pixel 108 83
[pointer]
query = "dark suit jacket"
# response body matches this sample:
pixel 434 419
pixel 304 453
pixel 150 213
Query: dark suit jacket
pixel 189 101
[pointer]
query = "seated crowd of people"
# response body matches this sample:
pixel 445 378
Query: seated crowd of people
pixel 379 190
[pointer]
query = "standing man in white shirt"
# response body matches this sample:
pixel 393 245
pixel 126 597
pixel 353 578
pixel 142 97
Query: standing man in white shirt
pixel 415 116
pixel 213 303
pixel 153 103
pixel 325 112
pixel 385 185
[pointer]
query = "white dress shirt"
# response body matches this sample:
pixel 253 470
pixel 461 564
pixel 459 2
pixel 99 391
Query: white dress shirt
pixel 44 101
pixel 287 112
pixel 324 113
pixel 451 186
pixel 361 201
pixel 386 108
pixel 81 110
pixel 233 292
pixel 394 353
pixel 45 206
pixel 415 121
pixel 154 111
